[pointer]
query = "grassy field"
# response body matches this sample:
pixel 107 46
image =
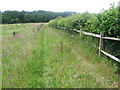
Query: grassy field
pixel 40 56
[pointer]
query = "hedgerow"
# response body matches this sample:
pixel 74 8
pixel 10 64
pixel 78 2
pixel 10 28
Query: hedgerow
pixel 106 21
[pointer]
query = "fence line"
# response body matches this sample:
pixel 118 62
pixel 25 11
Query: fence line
pixel 101 36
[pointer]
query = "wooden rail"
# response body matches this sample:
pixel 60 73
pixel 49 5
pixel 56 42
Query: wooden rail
pixel 111 38
pixel 101 36
pixel 111 56
pixel 91 34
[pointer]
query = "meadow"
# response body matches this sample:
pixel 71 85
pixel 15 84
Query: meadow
pixel 40 56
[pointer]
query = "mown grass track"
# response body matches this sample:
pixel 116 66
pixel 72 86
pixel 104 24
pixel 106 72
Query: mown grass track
pixel 54 59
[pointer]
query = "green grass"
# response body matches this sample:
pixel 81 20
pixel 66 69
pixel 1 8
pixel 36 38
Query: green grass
pixel 54 59
pixel 0 73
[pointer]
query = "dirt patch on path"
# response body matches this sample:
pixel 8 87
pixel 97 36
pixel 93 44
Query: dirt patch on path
pixel 36 24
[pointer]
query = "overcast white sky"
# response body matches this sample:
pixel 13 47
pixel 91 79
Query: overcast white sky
pixel 93 6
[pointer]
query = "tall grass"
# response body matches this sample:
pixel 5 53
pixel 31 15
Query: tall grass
pixel 73 54
pixel 54 59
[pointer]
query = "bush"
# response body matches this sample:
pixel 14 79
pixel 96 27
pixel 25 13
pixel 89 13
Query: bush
pixel 107 21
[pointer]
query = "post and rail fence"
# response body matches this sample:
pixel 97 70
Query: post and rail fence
pixel 101 37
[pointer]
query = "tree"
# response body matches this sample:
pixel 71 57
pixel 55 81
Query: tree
pixel 35 16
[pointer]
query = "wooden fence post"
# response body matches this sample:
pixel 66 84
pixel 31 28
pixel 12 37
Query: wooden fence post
pixel 73 33
pixel 101 42
pixel 80 32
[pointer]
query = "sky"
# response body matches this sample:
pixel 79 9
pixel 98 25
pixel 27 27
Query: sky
pixel 93 6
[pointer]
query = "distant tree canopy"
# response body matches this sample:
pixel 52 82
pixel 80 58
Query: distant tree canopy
pixel 10 17
pixel 0 17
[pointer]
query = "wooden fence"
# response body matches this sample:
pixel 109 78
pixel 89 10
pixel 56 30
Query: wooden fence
pixel 101 37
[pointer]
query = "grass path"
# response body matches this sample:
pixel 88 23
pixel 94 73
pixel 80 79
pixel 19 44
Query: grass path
pixel 55 59
pixel 72 68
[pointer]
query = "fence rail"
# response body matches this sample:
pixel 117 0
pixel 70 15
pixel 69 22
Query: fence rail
pixel 111 56
pixel 111 38
pixel 91 34
pixel 101 36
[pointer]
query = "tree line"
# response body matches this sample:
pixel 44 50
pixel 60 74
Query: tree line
pixel 10 17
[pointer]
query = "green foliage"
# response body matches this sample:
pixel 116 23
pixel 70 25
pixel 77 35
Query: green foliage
pixel 0 17
pixel 11 17
pixel 54 22
pixel 106 21
pixel 76 21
